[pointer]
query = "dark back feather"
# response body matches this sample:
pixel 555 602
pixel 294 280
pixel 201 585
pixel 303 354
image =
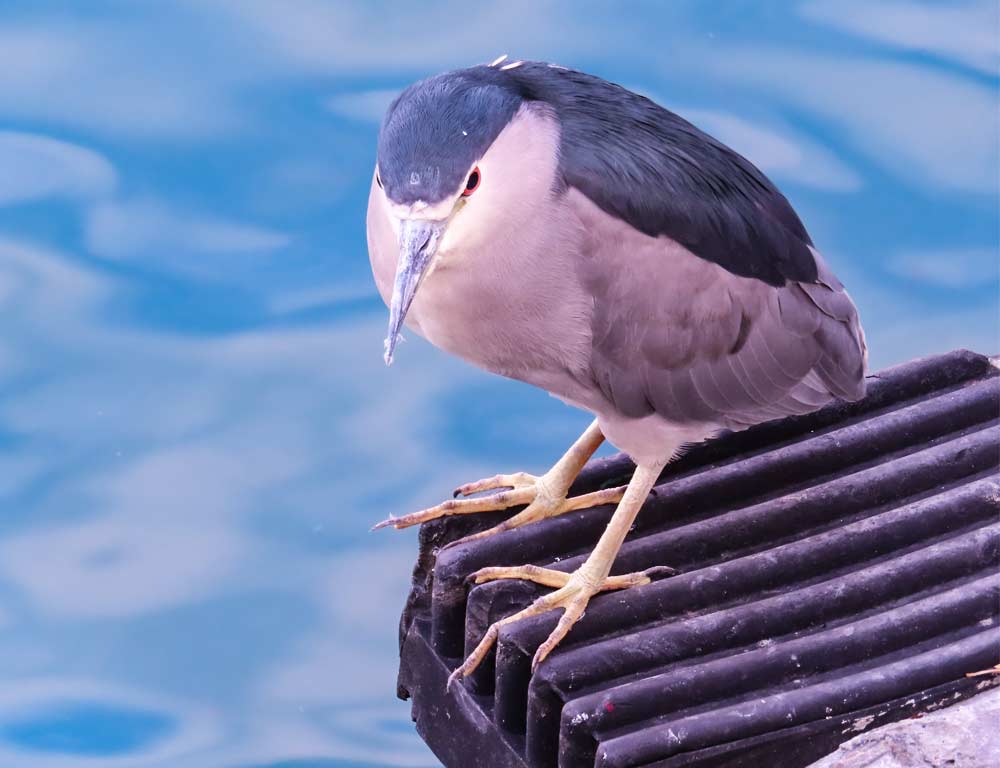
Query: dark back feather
pixel 634 159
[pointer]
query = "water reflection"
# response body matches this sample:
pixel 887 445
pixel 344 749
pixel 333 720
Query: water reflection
pixel 68 721
pixel 86 728
pixel 196 427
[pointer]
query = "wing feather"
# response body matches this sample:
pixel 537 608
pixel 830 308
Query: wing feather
pixel 677 335
pixel 802 348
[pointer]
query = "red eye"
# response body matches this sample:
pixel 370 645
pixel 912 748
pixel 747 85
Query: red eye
pixel 473 183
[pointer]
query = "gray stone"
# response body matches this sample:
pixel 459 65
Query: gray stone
pixel 965 735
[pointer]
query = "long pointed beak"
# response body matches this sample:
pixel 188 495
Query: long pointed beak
pixel 418 240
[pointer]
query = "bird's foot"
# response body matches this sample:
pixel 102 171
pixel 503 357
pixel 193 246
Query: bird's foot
pixel 573 593
pixel 545 496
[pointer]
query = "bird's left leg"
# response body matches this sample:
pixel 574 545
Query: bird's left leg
pixel 573 590
pixel 545 496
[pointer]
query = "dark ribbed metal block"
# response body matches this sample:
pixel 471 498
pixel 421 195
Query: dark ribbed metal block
pixel 835 571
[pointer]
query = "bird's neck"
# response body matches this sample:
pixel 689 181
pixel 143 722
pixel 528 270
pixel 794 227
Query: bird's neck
pixel 511 310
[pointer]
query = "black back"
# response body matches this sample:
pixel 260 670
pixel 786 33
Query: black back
pixel 631 157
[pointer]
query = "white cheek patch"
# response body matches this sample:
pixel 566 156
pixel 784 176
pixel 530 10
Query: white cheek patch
pixel 524 156
pixel 517 173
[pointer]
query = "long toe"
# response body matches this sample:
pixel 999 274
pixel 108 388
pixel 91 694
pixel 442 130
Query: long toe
pixel 570 597
pixel 492 503
pixel 544 495
pixel 574 605
pixel 521 488
pixel 572 594
pixel 516 480
pixel 544 506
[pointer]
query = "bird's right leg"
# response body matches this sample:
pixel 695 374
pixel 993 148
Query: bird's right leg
pixel 546 495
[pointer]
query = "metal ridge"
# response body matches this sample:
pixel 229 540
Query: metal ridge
pixel 828 565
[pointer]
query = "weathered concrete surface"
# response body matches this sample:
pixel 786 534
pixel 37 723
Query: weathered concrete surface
pixel 965 735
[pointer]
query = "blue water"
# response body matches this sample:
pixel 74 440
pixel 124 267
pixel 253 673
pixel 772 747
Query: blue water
pixel 196 427
pixel 87 729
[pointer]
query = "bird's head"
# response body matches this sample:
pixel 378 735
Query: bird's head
pixel 458 165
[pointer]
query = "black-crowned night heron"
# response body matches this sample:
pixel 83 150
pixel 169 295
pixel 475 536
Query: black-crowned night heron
pixel 552 227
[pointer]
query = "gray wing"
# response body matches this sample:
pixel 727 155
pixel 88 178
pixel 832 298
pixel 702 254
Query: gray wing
pixel 702 345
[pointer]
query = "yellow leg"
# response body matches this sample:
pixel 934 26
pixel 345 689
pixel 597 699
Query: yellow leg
pixel 546 496
pixel 573 591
